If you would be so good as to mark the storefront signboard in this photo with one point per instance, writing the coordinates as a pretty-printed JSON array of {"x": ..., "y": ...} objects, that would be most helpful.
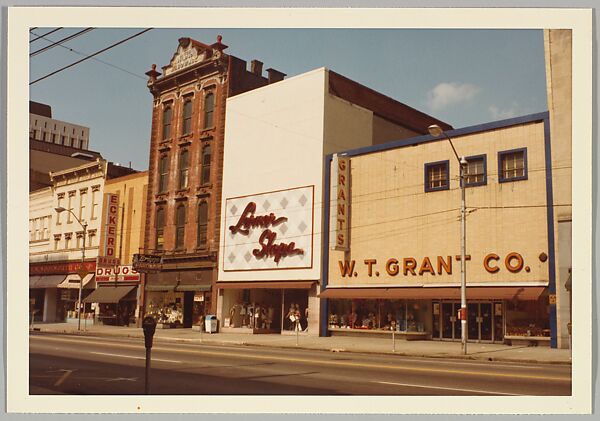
[
  {"x": 111, "y": 217},
  {"x": 117, "y": 274},
  {"x": 147, "y": 262},
  {"x": 492, "y": 263},
  {"x": 269, "y": 231},
  {"x": 340, "y": 190},
  {"x": 61, "y": 268}
]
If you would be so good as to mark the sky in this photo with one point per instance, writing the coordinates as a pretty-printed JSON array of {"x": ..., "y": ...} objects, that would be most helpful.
[{"x": 462, "y": 77}]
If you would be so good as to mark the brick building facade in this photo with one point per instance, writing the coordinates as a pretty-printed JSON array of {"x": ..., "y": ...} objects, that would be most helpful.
[{"x": 185, "y": 174}]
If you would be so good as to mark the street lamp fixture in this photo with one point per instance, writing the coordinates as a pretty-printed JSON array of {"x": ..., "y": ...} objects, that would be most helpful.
[
  {"x": 59, "y": 210},
  {"x": 436, "y": 131}
]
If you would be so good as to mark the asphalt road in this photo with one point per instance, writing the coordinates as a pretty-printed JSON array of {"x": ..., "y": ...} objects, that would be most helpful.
[{"x": 107, "y": 366}]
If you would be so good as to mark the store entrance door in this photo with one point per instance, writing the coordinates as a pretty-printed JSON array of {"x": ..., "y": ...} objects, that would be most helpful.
[
  {"x": 484, "y": 321},
  {"x": 188, "y": 308},
  {"x": 450, "y": 324}
]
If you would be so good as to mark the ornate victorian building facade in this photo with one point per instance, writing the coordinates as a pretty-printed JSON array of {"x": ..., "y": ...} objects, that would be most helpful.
[{"x": 185, "y": 174}]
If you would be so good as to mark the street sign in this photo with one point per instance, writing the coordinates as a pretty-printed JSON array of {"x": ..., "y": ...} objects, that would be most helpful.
[{"x": 82, "y": 273}]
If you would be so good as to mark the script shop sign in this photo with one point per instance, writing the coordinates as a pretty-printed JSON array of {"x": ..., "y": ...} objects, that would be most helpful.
[
  {"x": 147, "y": 262},
  {"x": 271, "y": 230}
]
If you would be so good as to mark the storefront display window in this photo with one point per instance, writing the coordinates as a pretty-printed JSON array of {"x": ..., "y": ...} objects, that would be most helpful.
[
  {"x": 399, "y": 315},
  {"x": 528, "y": 318},
  {"x": 165, "y": 307}
]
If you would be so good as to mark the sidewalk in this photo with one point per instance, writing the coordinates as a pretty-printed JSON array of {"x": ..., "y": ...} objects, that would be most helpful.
[{"x": 431, "y": 349}]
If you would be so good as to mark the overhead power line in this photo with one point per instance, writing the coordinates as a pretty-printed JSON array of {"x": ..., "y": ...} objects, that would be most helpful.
[
  {"x": 96, "y": 59},
  {"x": 42, "y": 36},
  {"x": 90, "y": 56},
  {"x": 65, "y": 39}
]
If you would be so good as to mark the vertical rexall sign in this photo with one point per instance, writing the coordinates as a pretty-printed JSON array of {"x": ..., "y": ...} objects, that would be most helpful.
[{"x": 111, "y": 218}]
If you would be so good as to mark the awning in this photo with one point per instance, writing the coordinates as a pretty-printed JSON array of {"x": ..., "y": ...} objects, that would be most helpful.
[
  {"x": 45, "y": 281},
  {"x": 198, "y": 280},
  {"x": 524, "y": 293},
  {"x": 108, "y": 294},
  {"x": 266, "y": 285},
  {"x": 72, "y": 281}
]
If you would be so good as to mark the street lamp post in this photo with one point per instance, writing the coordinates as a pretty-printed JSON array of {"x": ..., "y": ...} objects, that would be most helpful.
[
  {"x": 436, "y": 131},
  {"x": 84, "y": 226}
]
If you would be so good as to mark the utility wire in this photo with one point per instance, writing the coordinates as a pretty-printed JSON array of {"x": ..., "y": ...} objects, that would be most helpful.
[
  {"x": 42, "y": 36},
  {"x": 90, "y": 56},
  {"x": 65, "y": 39},
  {"x": 97, "y": 59}
]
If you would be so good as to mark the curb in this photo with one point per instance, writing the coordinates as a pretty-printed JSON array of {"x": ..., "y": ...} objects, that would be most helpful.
[{"x": 304, "y": 347}]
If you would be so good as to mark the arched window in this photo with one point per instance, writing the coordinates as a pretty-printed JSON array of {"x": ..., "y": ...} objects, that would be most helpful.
[
  {"x": 163, "y": 171},
  {"x": 167, "y": 113},
  {"x": 160, "y": 229},
  {"x": 202, "y": 224},
  {"x": 187, "y": 116},
  {"x": 209, "y": 109},
  {"x": 184, "y": 169},
  {"x": 180, "y": 227},
  {"x": 205, "y": 171}
]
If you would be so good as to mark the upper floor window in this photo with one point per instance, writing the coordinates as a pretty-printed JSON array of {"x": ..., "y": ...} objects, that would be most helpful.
[
  {"x": 160, "y": 229},
  {"x": 180, "y": 227},
  {"x": 61, "y": 201},
  {"x": 82, "y": 204},
  {"x": 205, "y": 169},
  {"x": 187, "y": 116},
  {"x": 163, "y": 171},
  {"x": 475, "y": 171},
  {"x": 209, "y": 109},
  {"x": 167, "y": 114},
  {"x": 184, "y": 169},
  {"x": 437, "y": 176},
  {"x": 202, "y": 224},
  {"x": 512, "y": 165}
]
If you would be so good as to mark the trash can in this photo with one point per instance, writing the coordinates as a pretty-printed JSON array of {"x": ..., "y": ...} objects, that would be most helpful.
[{"x": 210, "y": 323}]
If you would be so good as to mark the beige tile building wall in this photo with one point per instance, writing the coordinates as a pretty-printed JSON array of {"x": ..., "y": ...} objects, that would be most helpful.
[{"x": 393, "y": 217}]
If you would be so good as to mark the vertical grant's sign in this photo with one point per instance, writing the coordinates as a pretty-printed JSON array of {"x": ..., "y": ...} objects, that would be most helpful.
[
  {"x": 340, "y": 203},
  {"x": 110, "y": 225}
]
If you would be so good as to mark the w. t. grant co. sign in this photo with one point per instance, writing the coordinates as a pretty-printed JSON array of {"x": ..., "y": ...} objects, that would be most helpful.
[{"x": 269, "y": 230}]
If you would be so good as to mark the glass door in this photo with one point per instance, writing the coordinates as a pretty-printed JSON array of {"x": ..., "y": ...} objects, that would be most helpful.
[
  {"x": 485, "y": 317},
  {"x": 473, "y": 321},
  {"x": 448, "y": 319}
]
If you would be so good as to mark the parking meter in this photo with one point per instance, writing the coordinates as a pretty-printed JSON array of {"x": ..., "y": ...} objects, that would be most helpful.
[{"x": 149, "y": 326}]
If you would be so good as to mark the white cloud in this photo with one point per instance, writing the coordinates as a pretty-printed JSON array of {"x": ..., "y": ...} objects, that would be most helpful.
[
  {"x": 446, "y": 94},
  {"x": 500, "y": 114}
]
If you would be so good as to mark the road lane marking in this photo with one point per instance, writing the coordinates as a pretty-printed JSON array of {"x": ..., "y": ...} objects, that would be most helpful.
[
  {"x": 66, "y": 374},
  {"x": 295, "y": 359},
  {"x": 450, "y": 388},
  {"x": 133, "y": 357}
]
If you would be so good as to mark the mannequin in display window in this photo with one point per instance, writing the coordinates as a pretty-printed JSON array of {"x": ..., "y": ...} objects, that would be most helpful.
[
  {"x": 270, "y": 315},
  {"x": 243, "y": 312},
  {"x": 290, "y": 317}
]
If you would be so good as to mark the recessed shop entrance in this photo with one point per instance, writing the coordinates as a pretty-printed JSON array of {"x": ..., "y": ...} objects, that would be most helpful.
[{"x": 485, "y": 321}]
